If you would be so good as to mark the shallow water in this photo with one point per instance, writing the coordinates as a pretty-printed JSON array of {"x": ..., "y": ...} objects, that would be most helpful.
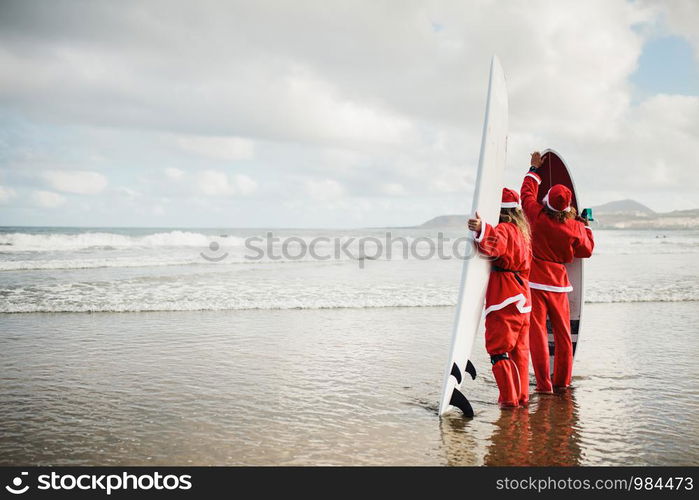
[
  {"x": 310, "y": 362},
  {"x": 334, "y": 386},
  {"x": 134, "y": 270}
]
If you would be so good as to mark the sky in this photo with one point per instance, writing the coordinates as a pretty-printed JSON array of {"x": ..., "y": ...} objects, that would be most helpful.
[{"x": 333, "y": 113}]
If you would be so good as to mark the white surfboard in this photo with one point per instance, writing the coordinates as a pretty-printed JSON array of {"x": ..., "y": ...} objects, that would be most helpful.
[{"x": 476, "y": 270}]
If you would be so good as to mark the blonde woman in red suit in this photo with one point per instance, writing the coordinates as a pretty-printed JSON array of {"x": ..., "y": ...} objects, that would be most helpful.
[{"x": 507, "y": 301}]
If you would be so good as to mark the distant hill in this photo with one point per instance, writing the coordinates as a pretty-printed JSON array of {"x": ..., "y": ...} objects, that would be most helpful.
[
  {"x": 630, "y": 214},
  {"x": 628, "y": 207},
  {"x": 446, "y": 221},
  {"x": 693, "y": 212},
  {"x": 621, "y": 214}
]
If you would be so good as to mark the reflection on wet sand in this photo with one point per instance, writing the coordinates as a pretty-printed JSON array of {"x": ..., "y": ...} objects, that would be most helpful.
[
  {"x": 310, "y": 387},
  {"x": 546, "y": 433},
  {"x": 458, "y": 440},
  {"x": 554, "y": 435}
]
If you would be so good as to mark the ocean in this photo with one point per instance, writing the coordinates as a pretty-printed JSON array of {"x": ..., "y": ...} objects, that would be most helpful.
[{"x": 126, "y": 346}]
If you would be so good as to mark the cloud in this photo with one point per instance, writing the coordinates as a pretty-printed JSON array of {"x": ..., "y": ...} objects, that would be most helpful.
[
  {"x": 75, "y": 181},
  {"x": 362, "y": 102},
  {"x": 244, "y": 184},
  {"x": 681, "y": 17},
  {"x": 393, "y": 189},
  {"x": 217, "y": 183},
  {"x": 48, "y": 199},
  {"x": 174, "y": 174},
  {"x": 324, "y": 189},
  {"x": 329, "y": 113},
  {"x": 126, "y": 193},
  {"x": 223, "y": 148},
  {"x": 7, "y": 195},
  {"x": 659, "y": 145}
]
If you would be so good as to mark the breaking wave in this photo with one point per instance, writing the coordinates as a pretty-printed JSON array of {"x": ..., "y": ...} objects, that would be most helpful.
[{"x": 27, "y": 242}]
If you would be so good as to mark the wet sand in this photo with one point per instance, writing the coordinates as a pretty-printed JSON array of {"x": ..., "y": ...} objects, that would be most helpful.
[{"x": 334, "y": 386}]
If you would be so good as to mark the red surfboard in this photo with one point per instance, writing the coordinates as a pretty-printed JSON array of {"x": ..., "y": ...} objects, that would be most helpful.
[{"x": 555, "y": 171}]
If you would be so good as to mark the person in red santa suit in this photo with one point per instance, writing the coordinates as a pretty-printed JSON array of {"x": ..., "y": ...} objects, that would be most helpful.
[
  {"x": 507, "y": 300},
  {"x": 558, "y": 236}
]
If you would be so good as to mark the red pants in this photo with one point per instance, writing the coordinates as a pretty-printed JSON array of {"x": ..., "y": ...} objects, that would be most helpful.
[
  {"x": 555, "y": 305},
  {"x": 507, "y": 332}
]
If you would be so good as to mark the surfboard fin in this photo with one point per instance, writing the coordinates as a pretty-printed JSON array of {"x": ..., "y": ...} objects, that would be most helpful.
[
  {"x": 460, "y": 401},
  {"x": 471, "y": 370},
  {"x": 456, "y": 373}
]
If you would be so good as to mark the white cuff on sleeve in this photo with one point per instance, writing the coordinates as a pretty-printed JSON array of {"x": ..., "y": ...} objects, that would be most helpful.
[
  {"x": 479, "y": 236},
  {"x": 533, "y": 176}
]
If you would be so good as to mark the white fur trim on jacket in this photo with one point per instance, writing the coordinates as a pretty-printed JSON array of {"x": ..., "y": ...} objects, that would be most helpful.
[
  {"x": 479, "y": 236},
  {"x": 533, "y": 176},
  {"x": 519, "y": 299},
  {"x": 550, "y": 288}
]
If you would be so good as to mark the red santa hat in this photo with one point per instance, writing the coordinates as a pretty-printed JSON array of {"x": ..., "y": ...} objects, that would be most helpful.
[
  {"x": 558, "y": 198},
  {"x": 510, "y": 199}
]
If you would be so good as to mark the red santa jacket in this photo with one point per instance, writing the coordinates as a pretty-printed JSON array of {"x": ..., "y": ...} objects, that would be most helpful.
[
  {"x": 512, "y": 252},
  {"x": 553, "y": 243}
]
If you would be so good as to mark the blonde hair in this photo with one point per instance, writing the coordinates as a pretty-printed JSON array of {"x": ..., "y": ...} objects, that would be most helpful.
[
  {"x": 517, "y": 217},
  {"x": 561, "y": 216}
]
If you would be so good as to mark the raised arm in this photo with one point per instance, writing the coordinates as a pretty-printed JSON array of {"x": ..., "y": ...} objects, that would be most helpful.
[{"x": 530, "y": 188}]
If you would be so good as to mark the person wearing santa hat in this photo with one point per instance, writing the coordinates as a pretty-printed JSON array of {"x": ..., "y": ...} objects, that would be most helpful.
[
  {"x": 507, "y": 300},
  {"x": 558, "y": 236}
]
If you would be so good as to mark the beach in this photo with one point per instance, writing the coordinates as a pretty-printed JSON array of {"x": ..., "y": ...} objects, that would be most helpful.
[{"x": 180, "y": 362}]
